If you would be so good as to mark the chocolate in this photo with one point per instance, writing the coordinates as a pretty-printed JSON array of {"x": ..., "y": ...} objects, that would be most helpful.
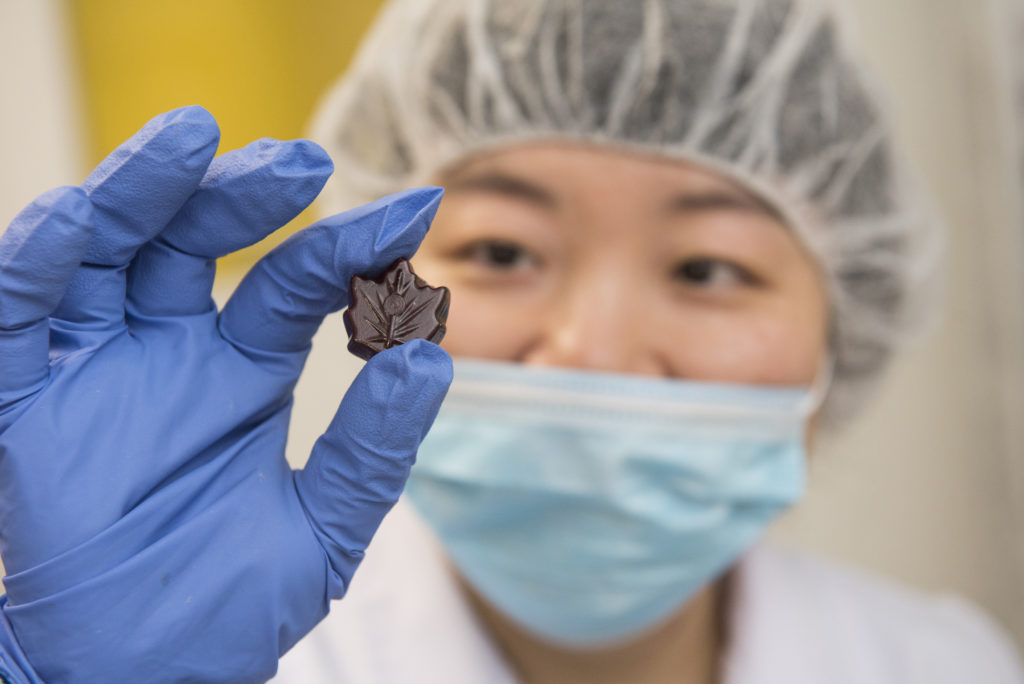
[{"x": 392, "y": 309}]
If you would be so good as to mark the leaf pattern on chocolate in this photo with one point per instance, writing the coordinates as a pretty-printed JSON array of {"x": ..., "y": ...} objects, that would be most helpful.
[{"x": 393, "y": 309}]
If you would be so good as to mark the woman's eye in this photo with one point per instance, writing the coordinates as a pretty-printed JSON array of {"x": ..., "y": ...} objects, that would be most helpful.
[
  {"x": 707, "y": 273},
  {"x": 499, "y": 254}
]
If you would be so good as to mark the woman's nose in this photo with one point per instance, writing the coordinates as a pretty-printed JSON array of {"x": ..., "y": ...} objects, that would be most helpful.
[{"x": 596, "y": 324}]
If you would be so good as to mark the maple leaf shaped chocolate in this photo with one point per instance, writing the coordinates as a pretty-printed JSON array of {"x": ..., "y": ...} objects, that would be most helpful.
[{"x": 392, "y": 309}]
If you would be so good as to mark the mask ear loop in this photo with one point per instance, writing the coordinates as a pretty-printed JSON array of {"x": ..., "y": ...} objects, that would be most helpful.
[{"x": 818, "y": 390}]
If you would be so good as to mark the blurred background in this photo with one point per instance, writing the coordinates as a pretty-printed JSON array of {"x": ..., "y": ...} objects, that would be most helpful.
[{"x": 926, "y": 487}]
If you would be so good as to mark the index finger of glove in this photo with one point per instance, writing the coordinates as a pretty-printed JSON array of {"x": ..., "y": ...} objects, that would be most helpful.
[
  {"x": 142, "y": 184},
  {"x": 246, "y": 195},
  {"x": 280, "y": 304},
  {"x": 135, "y": 192}
]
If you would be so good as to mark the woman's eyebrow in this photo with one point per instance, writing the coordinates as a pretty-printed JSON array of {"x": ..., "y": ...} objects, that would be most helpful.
[
  {"x": 496, "y": 182},
  {"x": 717, "y": 200}
]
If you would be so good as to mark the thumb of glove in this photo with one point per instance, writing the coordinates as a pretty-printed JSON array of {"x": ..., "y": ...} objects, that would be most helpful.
[{"x": 359, "y": 467}]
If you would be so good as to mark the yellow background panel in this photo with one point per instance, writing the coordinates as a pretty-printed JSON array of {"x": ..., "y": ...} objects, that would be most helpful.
[{"x": 259, "y": 66}]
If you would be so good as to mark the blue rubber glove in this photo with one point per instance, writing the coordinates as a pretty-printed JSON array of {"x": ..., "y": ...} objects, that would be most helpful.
[{"x": 151, "y": 527}]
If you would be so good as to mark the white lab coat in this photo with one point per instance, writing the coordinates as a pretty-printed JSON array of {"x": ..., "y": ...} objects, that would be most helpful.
[{"x": 793, "y": 620}]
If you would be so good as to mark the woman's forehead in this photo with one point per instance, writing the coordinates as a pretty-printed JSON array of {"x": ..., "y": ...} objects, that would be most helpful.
[
  {"x": 545, "y": 173},
  {"x": 592, "y": 192}
]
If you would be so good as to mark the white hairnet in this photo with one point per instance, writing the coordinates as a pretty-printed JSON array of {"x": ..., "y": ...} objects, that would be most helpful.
[{"x": 762, "y": 91}]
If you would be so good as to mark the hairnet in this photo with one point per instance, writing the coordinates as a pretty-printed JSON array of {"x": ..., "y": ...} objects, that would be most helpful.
[{"x": 762, "y": 91}]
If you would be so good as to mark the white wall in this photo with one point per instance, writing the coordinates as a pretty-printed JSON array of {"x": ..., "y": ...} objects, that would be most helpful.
[
  {"x": 39, "y": 116},
  {"x": 40, "y": 136},
  {"x": 927, "y": 487}
]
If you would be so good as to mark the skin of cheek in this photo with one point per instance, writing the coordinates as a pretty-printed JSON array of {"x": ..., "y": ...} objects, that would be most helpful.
[
  {"x": 753, "y": 346},
  {"x": 726, "y": 353},
  {"x": 485, "y": 326}
]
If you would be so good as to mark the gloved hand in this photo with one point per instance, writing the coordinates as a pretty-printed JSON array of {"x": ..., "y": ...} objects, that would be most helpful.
[{"x": 151, "y": 527}]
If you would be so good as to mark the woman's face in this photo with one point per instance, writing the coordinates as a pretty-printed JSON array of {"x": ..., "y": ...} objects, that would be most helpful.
[{"x": 568, "y": 255}]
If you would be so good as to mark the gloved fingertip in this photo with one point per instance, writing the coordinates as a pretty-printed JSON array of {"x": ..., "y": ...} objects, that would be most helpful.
[
  {"x": 424, "y": 358},
  {"x": 409, "y": 215},
  {"x": 359, "y": 466},
  {"x": 195, "y": 127},
  {"x": 269, "y": 158},
  {"x": 248, "y": 193},
  {"x": 64, "y": 215},
  {"x": 72, "y": 222},
  {"x": 413, "y": 379},
  {"x": 305, "y": 158},
  {"x": 187, "y": 136},
  {"x": 186, "y": 128},
  {"x": 182, "y": 142},
  {"x": 430, "y": 196},
  {"x": 39, "y": 254},
  {"x": 70, "y": 204},
  {"x": 195, "y": 118}
]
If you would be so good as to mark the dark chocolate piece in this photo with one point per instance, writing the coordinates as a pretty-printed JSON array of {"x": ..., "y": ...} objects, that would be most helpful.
[{"x": 392, "y": 309}]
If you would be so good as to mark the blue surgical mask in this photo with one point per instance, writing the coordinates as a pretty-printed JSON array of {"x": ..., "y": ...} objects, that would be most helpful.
[{"x": 589, "y": 507}]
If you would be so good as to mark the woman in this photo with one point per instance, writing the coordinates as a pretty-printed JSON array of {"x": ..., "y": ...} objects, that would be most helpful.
[
  {"x": 684, "y": 225},
  {"x": 700, "y": 191}
]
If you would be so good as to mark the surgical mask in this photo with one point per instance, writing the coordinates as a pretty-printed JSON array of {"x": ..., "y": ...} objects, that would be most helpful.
[{"x": 588, "y": 507}]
